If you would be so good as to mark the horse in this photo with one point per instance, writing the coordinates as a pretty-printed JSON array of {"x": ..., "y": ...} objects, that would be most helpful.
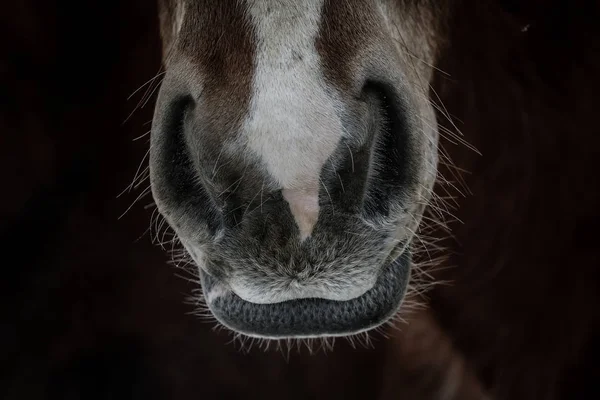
[
  {"x": 293, "y": 151},
  {"x": 309, "y": 158}
]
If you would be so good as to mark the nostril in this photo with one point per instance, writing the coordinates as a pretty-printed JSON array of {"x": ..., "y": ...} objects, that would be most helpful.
[
  {"x": 174, "y": 174},
  {"x": 169, "y": 155},
  {"x": 391, "y": 154},
  {"x": 372, "y": 170}
]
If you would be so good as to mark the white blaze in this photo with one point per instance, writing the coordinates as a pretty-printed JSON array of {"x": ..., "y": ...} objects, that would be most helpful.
[
  {"x": 292, "y": 124},
  {"x": 179, "y": 15},
  {"x": 305, "y": 208}
]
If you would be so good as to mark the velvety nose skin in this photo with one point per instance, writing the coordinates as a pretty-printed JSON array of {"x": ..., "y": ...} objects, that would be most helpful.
[
  {"x": 311, "y": 317},
  {"x": 288, "y": 262}
]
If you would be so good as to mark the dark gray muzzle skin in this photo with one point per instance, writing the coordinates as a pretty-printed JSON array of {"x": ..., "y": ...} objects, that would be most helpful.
[{"x": 312, "y": 317}]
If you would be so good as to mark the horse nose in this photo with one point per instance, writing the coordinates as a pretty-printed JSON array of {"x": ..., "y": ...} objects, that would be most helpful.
[{"x": 199, "y": 167}]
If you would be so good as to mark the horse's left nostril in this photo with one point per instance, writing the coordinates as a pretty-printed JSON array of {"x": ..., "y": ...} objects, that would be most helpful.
[{"x": 173, "y": 173}]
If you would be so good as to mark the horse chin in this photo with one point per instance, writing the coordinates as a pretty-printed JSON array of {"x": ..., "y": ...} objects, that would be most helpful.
[{"x": 311, "y": 317}]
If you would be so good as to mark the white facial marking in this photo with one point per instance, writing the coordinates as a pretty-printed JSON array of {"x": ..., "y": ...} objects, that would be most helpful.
[
  {"x": 179, "y": 14},
  {"x": 304, "y": 205},
  {"x": 292, "y": 124}
]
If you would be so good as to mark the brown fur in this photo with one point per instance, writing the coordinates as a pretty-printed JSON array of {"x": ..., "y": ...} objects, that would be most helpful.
[
  {"x": 343, "y": 32},
  {"x": 221, "y": 50}
]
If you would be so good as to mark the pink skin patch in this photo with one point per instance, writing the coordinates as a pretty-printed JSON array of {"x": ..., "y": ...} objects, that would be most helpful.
[{"x": 304, "y": 204}]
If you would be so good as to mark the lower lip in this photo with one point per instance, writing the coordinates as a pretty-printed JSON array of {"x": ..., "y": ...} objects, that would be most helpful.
[{"x": 311, "y": 317}]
